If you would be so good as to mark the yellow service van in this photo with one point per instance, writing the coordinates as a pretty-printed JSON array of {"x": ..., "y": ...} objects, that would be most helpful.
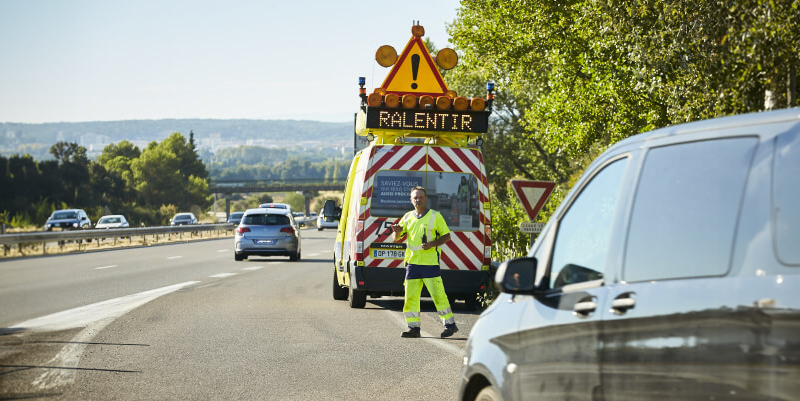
[{"x": 414, "y": 131}]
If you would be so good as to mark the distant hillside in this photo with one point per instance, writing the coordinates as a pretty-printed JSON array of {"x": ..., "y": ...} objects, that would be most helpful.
[{"x": 210, "y": 135}]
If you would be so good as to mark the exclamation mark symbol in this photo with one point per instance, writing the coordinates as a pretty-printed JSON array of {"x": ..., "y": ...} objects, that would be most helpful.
[{"x": 414, "y": 69}]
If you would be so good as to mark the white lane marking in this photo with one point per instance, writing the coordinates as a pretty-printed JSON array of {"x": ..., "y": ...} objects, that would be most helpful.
[
  {"x": 222, "y": 250},
  {"x": 223, "y": 275},
  {"x": 253, "y": 268},
  {"x": 313, "y": 254},
  {"x": 93, "y": 318},
  {"x": 174, "y": 257},
  {"x": 105, "y": 267}
]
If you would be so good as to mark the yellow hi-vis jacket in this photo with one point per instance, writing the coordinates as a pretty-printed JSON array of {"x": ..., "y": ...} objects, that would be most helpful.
[{"x": 420, "y": 230}]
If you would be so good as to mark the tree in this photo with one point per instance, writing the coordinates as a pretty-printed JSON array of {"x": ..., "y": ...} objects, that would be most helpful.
[
  {"x": 576, "y": 76},
  {"x": 66, "y": 152},
  {"x": 170, "y": 173}
]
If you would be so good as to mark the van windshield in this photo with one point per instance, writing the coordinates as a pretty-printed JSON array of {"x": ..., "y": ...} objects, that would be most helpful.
[{"x": 454, "y": 195}]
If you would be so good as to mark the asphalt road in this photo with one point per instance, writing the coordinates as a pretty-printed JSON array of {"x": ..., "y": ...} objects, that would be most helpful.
[{"x": 186, "y": 322}]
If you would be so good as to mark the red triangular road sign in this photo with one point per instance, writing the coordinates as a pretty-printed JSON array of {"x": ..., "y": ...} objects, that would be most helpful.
[
  {"x": 532, "y": 195},
  {"x": 415, "y": 72}
]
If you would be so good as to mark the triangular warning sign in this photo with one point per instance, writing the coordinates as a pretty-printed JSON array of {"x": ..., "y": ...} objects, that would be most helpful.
[
  {"x": 532, "y": 195},
  {"x": 415, "y": 72}
]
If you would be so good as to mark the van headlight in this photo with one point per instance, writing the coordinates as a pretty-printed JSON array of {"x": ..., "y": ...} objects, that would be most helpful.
[{"x": 75, "y": 225}]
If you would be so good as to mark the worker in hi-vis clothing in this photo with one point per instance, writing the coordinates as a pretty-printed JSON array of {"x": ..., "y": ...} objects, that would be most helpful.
[{"x": 425, "y": 231}]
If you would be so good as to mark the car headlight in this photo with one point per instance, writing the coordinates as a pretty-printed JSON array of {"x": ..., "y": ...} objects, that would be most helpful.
[{"x": 75, "y": 225}]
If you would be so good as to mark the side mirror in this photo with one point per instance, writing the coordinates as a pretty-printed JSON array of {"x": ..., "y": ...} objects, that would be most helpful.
[
  {"x": 517, "y": 276},
  {"x": 329, "y": 210}
]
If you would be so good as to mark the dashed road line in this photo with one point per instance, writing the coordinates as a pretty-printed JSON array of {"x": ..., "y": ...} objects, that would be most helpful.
[
  {"x": 174, "y": 257},
  {"x": 253, "y": 268},
  {"x": 223, "y": 275},
  {"x": 105, "y": 267}
]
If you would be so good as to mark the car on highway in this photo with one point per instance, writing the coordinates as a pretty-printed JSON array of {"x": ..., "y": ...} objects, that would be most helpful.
[
  {"x": 182, "y": 219},
  {"x": 326, "y": 222},
  {"x": 235, "y": 217},
  {"x": 669, "y": 271},
  {"x": 267, "y": 232},
  {"x": 68, "y": 219},
  {"x": 112, "y": 221},
  {"x": 300, "y": 218}
]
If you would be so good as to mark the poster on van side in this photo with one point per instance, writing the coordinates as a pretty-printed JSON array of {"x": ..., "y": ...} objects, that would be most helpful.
[{"x": 393, "y": 191}]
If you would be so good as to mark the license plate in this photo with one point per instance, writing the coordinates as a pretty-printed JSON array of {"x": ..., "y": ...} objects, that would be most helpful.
[
  {"x": 388, "y": 254},
  {"x": 265, "y": 242}
]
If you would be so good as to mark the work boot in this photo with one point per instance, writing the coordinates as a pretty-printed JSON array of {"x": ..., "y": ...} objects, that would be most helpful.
[
  {"x": 413, "y": 332},
  {"x": 449, "y": 330}
]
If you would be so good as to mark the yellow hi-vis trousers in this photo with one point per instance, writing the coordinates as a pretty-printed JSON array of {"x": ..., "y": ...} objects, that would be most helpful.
[{"x": 436, "y": 289}]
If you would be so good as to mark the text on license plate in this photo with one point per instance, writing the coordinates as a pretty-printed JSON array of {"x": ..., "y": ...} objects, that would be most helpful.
[
  {"x": 265, "y": 241},
  {"x": 388, "y": 254}
]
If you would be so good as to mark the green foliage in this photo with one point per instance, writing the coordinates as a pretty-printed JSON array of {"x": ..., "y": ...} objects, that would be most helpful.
[
  {"x": 124, "y": 180},
  {"x": 507, "y": 240},
  {"x": 296, "y": 201},
  {"x": 575, "y": 77}
]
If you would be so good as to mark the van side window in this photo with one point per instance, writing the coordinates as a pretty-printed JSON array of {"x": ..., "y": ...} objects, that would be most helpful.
[
  {"x": 583, "y": 238},
  {"x": 685, "y": 210},
  {"x": 786, "y": 197}
]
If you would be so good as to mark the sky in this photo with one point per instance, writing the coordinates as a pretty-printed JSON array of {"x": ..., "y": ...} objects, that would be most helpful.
[{"x": 93, "y": 60}]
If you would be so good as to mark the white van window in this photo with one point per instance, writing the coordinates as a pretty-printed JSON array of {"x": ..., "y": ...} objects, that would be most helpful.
[
  {"x": 786, "y": 192},
  {"x": 584, "y": 233},
  {"x": 454, "y": 195},
  {"x": 686, "y": 208}
]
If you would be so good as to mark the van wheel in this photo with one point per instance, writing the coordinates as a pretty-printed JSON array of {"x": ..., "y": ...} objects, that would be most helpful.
[
  {"x": 238, "y": 257},
  {"x": 489, "y": 393},
  {"x": 339, "y": 292},
  {"x": 358, "y": 298}
]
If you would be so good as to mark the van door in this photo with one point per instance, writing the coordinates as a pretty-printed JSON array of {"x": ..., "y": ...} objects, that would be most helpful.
[
  {"x": 557, "y": 356},
  {"x": 676, "y": 326}
]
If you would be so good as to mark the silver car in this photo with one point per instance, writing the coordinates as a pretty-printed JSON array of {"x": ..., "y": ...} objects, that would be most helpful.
[{"x": 267, "y": 232}]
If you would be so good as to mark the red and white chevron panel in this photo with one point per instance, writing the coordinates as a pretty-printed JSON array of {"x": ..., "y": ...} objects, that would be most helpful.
[{"x": 465, "y": 251}]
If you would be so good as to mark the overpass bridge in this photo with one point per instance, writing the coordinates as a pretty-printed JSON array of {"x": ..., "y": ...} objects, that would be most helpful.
[
  {"x": 304, "y": 185},
  {"x": 289, "y": 185}
]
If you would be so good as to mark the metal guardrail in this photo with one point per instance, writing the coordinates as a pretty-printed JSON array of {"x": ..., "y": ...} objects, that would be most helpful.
[{"x": 44, "y": 237}]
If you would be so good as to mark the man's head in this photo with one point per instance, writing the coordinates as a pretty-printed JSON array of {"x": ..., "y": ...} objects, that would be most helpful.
[{"x": 419, "y": 197}]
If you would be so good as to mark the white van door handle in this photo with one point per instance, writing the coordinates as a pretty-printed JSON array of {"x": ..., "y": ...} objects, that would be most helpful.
[
  {"x": 585, "y": 306},
  {"x": 623, "y": 303}
]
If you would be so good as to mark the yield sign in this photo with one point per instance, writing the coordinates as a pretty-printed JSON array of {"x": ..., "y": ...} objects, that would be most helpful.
[
  {"x": 532, "y": 195},
  {"x": 415, "y": 72}
]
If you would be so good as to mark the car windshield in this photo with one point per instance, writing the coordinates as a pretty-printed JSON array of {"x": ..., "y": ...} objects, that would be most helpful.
[
  {"x": 183, "y": 217},
  {"x": 109, "y": 220},
  {"x": 265, "y": 220},
  {"x": 236, "y": 215},
  {"x": 65, "y": 215}
]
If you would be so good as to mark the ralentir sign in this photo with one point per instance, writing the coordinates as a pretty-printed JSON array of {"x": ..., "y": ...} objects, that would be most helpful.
[{"x": 427, "y": 120}]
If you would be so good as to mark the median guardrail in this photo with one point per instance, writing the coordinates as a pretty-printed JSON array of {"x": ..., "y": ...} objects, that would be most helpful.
[{"x": 61, "y": 237}]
